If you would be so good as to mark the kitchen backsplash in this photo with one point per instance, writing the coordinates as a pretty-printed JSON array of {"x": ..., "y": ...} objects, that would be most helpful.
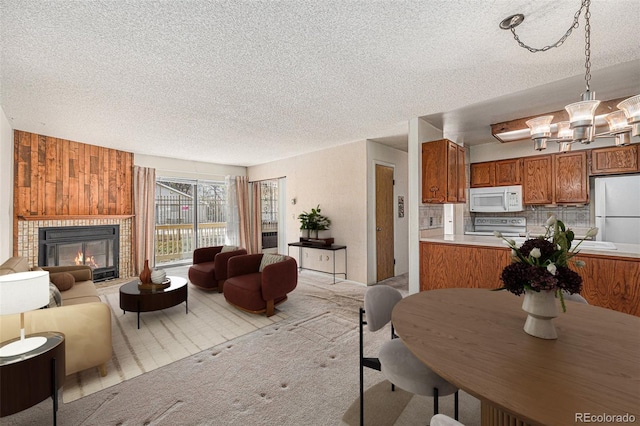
[
  {"x": 573, "y": 217},
  {"x": 431, "y": 217}
]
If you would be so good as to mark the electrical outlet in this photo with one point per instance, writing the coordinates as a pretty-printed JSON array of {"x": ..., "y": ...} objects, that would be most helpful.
[{"x": 431, "y": 221}]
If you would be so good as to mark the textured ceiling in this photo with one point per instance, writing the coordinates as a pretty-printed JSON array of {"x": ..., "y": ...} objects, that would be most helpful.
[{"x": 247, "y": 82}]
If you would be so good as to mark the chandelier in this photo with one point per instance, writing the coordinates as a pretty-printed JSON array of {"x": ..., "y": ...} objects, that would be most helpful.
[{"x": 581, "y": 127}]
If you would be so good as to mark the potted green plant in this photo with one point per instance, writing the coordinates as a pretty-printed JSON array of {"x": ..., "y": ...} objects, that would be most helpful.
[{"x": 313, "y": 221}]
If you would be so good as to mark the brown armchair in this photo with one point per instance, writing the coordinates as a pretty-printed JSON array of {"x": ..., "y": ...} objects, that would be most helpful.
[
  {"x": 256, "y": 291},
  {"x": 209, "y": 269}
]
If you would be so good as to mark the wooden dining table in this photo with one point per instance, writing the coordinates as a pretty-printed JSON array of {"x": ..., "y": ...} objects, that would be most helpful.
[{"x": 474, "y": 339}]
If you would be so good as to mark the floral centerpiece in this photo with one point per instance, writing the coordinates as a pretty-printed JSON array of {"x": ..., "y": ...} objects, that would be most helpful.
[{"x": 542, "y": 263}]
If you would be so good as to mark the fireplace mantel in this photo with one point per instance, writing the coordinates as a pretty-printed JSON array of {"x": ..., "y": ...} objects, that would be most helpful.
[{"x": 77, "y": 217}]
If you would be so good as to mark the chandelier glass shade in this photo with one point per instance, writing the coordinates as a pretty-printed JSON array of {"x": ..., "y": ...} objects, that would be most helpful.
[
  {"x": 581, "y": 127},
  {"x": 631, "y": 108}
]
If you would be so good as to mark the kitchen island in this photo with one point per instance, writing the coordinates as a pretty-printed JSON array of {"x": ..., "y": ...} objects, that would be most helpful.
[{"x": 611, "y": 278}]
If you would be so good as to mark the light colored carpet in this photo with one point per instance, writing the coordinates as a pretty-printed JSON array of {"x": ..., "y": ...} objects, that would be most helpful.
[
  {"x": 164, "y": 337},
  {"x": 302, "y": 370}
]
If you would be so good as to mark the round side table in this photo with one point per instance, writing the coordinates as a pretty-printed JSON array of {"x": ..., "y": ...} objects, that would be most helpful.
[{"x": 29, "y": 378}]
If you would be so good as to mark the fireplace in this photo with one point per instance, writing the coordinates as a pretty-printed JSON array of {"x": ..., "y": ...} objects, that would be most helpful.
[{"x": 95, "y": 246}]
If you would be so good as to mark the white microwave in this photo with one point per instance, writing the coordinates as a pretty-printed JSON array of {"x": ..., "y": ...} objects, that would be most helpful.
[{"x": 496, "y": 199}]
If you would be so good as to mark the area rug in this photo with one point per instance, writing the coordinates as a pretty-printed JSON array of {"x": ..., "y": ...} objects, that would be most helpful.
[
  {"x": 302, "y": 370},
  {"x": 164, "y": 337}
]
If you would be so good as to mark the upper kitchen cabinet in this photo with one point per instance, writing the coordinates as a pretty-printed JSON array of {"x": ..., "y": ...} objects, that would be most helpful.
[
  {"x": 614, "y": 160},
  {"x": 537, "y": 180},
  {"x": 508, "y": 172},
  {"x": 496, "y": 173},
  {"x": 483, "y": 174},
  {"x": 462, "y": 176},
  {"x": 571, "y": 182},
  {"x": 443, "y": 172},
  {"x": 556, "y": 179}
]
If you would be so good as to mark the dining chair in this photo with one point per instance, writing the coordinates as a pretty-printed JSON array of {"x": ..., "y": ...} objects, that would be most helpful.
[
  {"x": 395, "y": 360},
  {"x": 443, "y": 420}
]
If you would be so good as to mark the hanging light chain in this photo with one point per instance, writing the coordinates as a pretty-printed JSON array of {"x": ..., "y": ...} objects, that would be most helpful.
[
  {"x": 575, "y": 24},
  {"x": 587, "y": 43}
]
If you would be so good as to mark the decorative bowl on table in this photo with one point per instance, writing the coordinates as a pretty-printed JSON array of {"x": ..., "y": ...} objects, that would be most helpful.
[{"x": 154, "y": 287}]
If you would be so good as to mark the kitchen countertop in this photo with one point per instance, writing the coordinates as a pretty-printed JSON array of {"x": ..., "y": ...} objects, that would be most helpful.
[{"x": 623, "y": 250}]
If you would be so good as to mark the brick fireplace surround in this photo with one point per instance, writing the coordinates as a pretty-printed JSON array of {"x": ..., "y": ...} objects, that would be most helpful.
[{"x": 27, "y": 236}]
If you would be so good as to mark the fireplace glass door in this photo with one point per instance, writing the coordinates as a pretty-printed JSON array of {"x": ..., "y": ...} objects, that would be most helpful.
[
  {"x": 96, "y": 254},
  {"x": 93, "y": 246}
]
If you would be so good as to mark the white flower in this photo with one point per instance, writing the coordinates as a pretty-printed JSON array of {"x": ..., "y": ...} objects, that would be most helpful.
[
  {"x": 510, "y": 242},
  {"x": 592, "y": 233},
  {"x": 497, "y": 234},
  {"x": 552, "y": 220},
  {"x": 551, "y": 268},
  {"x": 580, "y": 263},
  {"x": 535, "y": 253}
]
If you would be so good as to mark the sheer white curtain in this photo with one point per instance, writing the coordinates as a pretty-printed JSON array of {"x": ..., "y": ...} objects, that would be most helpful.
[
  {"x": 144, "y": 193},
  {"x": 233, "y": 213},
  {"x": 256, "y": 218},
  {"x": 248, "y": 208},
  {"x": 244, "y": 212}
]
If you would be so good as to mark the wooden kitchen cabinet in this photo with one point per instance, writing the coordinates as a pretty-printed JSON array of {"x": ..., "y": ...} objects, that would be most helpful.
[
  {"x": 443, "y": 172},
  {"x": 615, "y": 160},
  {"x": 571, "y": 180},
  {"x": 537, "y": 180},
  {"x": 555, "y": 179},
  {"x": 461, "y": 266},
  {"x": 483, "y": 174},
  {"x": 462, "y": 175},
  {"x": 496, "y": 173},
  {"x": 608, "y": 281},
  {"x": 508, "y": 172}
]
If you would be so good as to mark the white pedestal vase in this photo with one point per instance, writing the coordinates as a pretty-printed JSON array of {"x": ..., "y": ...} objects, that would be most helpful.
[{"x": 542, "y": 309}]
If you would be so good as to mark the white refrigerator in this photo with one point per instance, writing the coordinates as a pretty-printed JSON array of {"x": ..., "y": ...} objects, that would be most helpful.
[{"x": 617, "y": 208}]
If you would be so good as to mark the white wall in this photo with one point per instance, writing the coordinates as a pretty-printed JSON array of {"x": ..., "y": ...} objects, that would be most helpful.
[
  {"x": 171, "y": 167},
  {"x": 6, "y": 187},
  {"x": 419, "y": 131},
  {"x": 387, "y": 156},
  {"x": 336, "y": 179}
]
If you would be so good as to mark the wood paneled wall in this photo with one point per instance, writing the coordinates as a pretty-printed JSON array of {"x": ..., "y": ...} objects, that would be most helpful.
[{"x": 57, "y": 177}]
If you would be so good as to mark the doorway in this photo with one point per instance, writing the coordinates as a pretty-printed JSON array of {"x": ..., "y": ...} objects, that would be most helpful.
[{"x": 384, "y": 223}]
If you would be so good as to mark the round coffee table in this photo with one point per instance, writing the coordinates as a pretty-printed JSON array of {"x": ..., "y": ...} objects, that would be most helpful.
[{"x": 133, "y": 299}]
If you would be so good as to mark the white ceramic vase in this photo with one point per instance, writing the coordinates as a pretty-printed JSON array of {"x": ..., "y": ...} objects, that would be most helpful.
[
  {"x": 541, "y": 308},
  {"x": 158, "y": 276}
]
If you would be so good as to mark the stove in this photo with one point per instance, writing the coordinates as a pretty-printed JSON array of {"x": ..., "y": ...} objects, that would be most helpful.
[{"x": 508, "y": 226}]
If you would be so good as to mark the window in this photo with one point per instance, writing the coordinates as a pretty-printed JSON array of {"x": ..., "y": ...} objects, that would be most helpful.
[
  {"x": 189, "y": 214},
  {"x": 269, "y": 210}
]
